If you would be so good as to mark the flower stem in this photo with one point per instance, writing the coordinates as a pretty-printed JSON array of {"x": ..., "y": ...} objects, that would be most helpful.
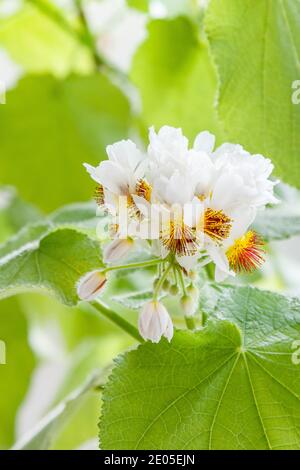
[
  {"x": 161, "y": 281},
  {"x": 181, "y": 280},
  {"x": 189, "y": 321},
  {"x": 117, "y": 319},
  {"x": 141, "y": 264},
  {"x": 84, "y": 36}
]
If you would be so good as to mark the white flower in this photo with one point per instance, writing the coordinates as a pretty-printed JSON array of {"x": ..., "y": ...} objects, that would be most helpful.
[
  {"x": 243, "y": 178},
  {"x": 188, "y": 305},
  {"x": 219, "y": 252},
  {"x": 174, "y": 171},
  {"x": 91, "y": 285},
  {"x": 122, "y": 171},
  {"x": 155, "y": 322}
]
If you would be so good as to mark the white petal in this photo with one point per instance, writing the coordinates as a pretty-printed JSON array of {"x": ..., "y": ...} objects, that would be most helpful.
[
  {"x": 205, "y": 141},
  {"x": 169, "y": 331},
  {"x": 92, "y": 170},
  {"x": 188, "y": 262},
  {"x": 218, "y": 257},
  {"x": 112, "y": 177},
  {"x": 125, "y": 153}
]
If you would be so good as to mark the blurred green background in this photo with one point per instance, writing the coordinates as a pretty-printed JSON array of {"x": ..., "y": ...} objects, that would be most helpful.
[{"x": 80, "y": 75}]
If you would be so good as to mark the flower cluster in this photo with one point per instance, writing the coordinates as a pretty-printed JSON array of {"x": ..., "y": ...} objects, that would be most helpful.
[{"x": 194, "y": 206}]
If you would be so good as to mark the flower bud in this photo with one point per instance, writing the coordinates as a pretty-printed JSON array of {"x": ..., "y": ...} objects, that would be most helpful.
[
  {"x": 173, "y": 289},
  {"x": 117, "y": 249},
  {"x": 193, "y": 292},
  {"x": 188, "y": 305},
  {"x": 193, "y": 275},
  {"x": 155, "y": 322},
  {"x": 90, "y": 285},
  {"x": 166, "y": 285}
]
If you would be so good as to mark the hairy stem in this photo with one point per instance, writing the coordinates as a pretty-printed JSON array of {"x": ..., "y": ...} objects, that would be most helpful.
[
  {"x": 161, "y": 281},
  {"x": 141, "y": 264},
  {"x": 102, "y": 308}
]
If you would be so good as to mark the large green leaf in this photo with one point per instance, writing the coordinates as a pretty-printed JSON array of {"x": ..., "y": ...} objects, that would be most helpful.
[
  {"x": 231, "y": 385},
  {"x": 175, "y": 78},
  {"x": 15, "y": 375},
  {"x": 47, "y": 259},
  {"x": 256, "y": 47},
  {"x": 60, "y": 124}
]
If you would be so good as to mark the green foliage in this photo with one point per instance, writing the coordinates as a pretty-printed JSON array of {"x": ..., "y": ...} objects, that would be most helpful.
[
  {"x": 45, "y": 46},
  {"x": 15, "y": 375},
  {"x": 278, "y": 224},
  {"x": 256, "y": 48},
  {"x": 60, "y": 125},
  {"x": 14, "y": 213},
  {"x": 141, "y": 5},
  {"x": 236, "y": 374},
  {"x": 175, "y": 78},
  {"x": 50, "y": 261}
]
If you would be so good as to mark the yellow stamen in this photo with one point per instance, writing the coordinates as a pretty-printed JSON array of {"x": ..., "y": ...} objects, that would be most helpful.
[
  {"x": 217, "y": 224},
  {"x": 132, "y": 208},
  {"x": 143, "y": 189},
  {"x": 99, "y": 195},
  {"x": 246, "y": 254},
  {"x": 178, "y": 238}
]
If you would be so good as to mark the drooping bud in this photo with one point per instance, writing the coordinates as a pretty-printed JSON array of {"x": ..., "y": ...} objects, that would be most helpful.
[
  {"x": 193, "y": 292},
  {"x": 188, "y": 305},
  {"x": 117, "y": 249},
  {"x": 155, "y": 322},
  {"x": 91, "y": 285},
  {"x": 173, "y": 289}
]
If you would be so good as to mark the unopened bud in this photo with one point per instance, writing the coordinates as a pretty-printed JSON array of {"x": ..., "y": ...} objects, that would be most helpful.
[
  {"x": 193, "y": 292},
  {"x": 173, "y": 289},
  {"x": 117, "y": 249},
  {"x": 91, "y": 285},
  {"x": 166, "y": 284},
  {"x": 188, "y": 305}
]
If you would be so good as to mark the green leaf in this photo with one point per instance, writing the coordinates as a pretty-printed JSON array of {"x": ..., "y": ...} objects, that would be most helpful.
[
  {"x": 46, "y": 47},
  {"x": 48, "y": 260},
  {"x": 15, "y": 375},
  {"x": 70, "y": 122},
  {"x": 14, "y": 213},
  {"x": 45, "y": 433},
  {"x": 170, "y": 8},
  {"x": 141, "y": 5},
  {"x": 256, "y": 47},
  {"x": 278, "y": 224},
  {"x": 175, "y": 78},
  {"x": 231, "y": 385}
]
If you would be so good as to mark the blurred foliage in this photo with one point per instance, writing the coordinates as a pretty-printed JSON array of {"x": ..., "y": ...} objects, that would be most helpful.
[
  {"x": 175, "y": 78},
  {"x": 45, "y": 46},
  {"x": 60, "y": 125},
  {"x": 15, "y": 375}
]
